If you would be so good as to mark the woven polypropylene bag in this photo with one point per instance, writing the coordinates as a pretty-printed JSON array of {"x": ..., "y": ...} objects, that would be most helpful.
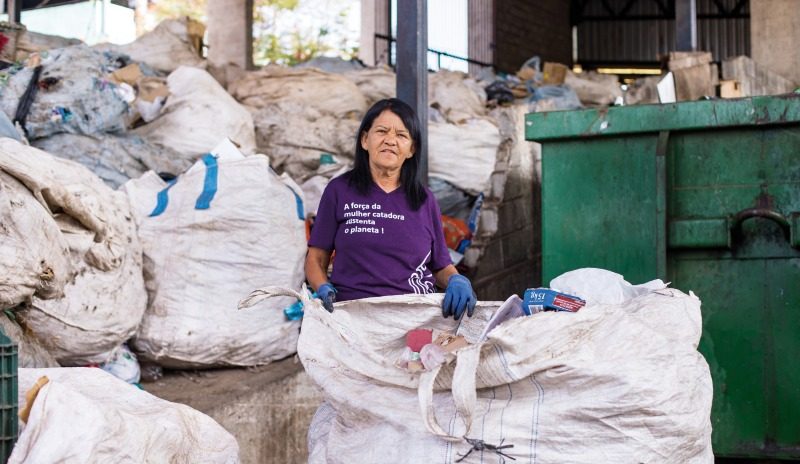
[
  {"x": 226, "y": 226},
  {"x": 613, "y": 383}
]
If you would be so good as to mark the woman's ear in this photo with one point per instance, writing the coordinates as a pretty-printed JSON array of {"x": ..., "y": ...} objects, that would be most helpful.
[{"x": 364, "y": 141}]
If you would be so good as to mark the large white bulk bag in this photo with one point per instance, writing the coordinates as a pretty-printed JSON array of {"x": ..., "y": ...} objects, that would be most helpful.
[
  {"x": 457, "y": 96},
  {"x": 197, "y": 115},
  {"x": 115, "y": 158},
  {"x": 102, "y": 306},
  {"x": 464, "y": 154},
  {"x": 30, "y": 351},
  {"x": 34, "y": 256},
  {"x": 295, "y": 136},
  {"x": 610, "y": 383},
  {"x": 86, "y": 415},
  {"x": 73, "y": 94},
  {"x": 328, "y": 93},
  {"x": 375, "y": 83},
  {"x": 227, "y": 225}
]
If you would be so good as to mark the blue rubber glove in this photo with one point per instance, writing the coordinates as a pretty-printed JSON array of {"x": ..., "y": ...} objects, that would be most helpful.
[
  {"x": 327, "y": 293},
  {"x": 458, "y": 297}
]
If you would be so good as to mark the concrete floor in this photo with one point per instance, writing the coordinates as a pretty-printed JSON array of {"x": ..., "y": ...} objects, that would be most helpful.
[{"x": 268, "y": 409}]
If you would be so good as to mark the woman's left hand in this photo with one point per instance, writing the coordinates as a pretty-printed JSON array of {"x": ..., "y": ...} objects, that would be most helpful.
[{"x": 458, "y": 297}]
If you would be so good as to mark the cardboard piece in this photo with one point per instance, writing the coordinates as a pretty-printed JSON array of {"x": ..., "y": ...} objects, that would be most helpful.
[
  {"x": 151, "y": 88},
  {"x": 730, "y": 89},
  {"x": 554, "y": 73},
  {"x": 148, "y": 88},
  {"x": 415, "y": 366},
  {"x": 683, "y": 60},
  {"x": 449, "y": 342},
  {"x": 693, "y": 83},
  {"x": 754, "y": 79},
  {"x": 695, "y": 76},
  {"x": 127, "y": 75}
]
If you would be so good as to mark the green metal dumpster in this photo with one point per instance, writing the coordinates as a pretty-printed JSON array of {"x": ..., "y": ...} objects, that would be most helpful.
[{"x": 705, "y": 195}]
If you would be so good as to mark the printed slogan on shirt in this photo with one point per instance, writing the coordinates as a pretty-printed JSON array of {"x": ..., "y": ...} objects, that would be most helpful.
[{"x": 360, "y": 218}]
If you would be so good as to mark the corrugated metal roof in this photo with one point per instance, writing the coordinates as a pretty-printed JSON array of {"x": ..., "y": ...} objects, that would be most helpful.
[{"x": 605, "y": 36}]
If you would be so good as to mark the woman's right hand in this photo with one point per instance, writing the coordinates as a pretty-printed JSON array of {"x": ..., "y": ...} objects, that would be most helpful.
[
  {"x": 458, "y": 297},
  {"x": 317, "y": 261},
  {"x": 327, "y": 293}
]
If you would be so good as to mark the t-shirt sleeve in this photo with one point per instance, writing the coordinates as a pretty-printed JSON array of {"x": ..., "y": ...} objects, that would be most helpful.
[
  {"x": 325, "y": 225},
  {"x": 440, "y": 256}
]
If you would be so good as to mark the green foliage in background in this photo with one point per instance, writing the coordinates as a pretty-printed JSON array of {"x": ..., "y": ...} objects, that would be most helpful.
[
  {"x": 285, "y": 32},
  {"x": 292, "y": 31}
]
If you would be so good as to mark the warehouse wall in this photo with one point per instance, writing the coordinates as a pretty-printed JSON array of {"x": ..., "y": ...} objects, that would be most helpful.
[
  {"x": 775, "y": 34},
  {"x": 525, "y": 28},
  {"x": 510, "y": 224}
]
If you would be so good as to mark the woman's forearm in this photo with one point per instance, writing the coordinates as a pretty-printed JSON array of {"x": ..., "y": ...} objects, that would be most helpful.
[
  {"x": 443, "y": 274},
  {"x": 316, "y": 266}
]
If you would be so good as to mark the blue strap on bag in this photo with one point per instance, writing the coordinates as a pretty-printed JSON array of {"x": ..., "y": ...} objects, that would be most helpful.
[
  {"x": 301, "y": 211},
  {"x": 210, "y": 190},
  {"x": 206, "y": 196},
  {"x": 209, "y": 184},
  {"x": 299, "y": 204},
  {"x": 162, "y": 199}
]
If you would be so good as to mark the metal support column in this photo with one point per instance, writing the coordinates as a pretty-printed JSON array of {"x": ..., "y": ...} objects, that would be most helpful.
[
  {"x": 14, "y": 11},
  {"x": 412, "y": 67},
  {"x": 685, "y": 25}
]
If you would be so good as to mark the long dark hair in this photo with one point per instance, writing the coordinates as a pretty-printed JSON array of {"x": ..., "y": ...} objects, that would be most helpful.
[{"x": 360, "y": 176}]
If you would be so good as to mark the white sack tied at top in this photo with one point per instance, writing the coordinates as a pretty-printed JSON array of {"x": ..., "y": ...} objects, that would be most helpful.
[
  {"x": 610, "y": 383},
  {"x": 329, "y": 93},
  {"x": 102, "y": 305},
  {"x": 165, "y": 48},
  {"x": 464, "y": 154},
  {"x": 87, "y": 415},
  {"x": 198, "y": 114},
  {"x": 222, "y": 228}
]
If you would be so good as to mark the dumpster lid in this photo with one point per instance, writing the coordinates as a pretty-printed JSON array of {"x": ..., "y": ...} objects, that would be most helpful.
[{"x": 620, "y": 120}]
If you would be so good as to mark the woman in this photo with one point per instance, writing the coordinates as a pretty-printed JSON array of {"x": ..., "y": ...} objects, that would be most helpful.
[{"x": 383, "y": 223}]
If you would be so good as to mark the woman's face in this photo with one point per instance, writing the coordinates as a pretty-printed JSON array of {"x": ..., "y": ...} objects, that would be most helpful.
[{"x": 388, "y": 142}]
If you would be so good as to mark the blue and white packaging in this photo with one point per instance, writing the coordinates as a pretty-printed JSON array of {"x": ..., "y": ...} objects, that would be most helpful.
[{"x": 545, "y": 299}]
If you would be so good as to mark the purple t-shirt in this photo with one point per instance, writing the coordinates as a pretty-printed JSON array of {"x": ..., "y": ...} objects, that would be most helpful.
[{"x": 383, "y": 247}]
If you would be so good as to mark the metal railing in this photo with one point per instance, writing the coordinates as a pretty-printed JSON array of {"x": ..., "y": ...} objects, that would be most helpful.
[{"x": 439, "y": 54}]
